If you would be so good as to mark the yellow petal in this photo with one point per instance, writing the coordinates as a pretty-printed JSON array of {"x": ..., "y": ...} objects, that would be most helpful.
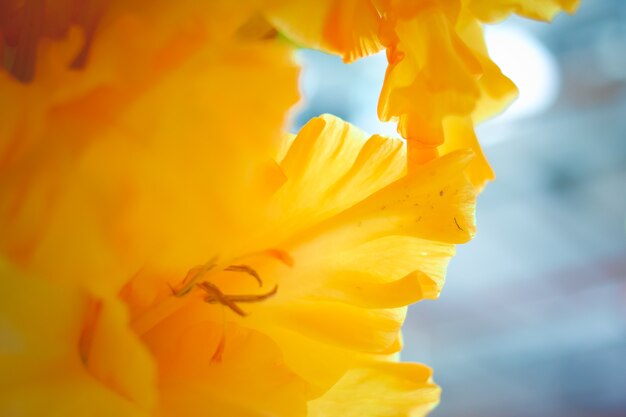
[
  {"x": 460, "y": 134},
  {"x": 494, "y": 10},
  {"x": 382, "y": 390},
  {"x": 399, "y": 236},
  {"x": 45, "y": 356},
  {"x": 319, "y": 363},
  {"x": 245, "y": 378},
  {"x": 388, "y": 272},
  {"x": 216, "y": 173},
  {"x": 393, "y": 257},
  {"x": 330, "y": 166},
  {"x": 434, "y": 202},
  {"x": 340, "y": 324},
  {"x": 362, "y": 290},
  {"x": 431, "y": 74},
  {"x": 117, "y": 359},
  {"x": 69, "y": 215},
  {"x": 347, "y": 28},
  {"x": 496, "y": 90}
]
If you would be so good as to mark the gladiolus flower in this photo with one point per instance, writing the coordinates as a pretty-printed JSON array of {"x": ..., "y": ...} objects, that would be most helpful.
[
  {"x": 168, "y": 250},
  {"x": 193, "y": 264},
  {"x": 289, "y": 316}
]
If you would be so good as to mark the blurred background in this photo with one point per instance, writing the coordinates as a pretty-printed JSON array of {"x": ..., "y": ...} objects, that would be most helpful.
[{"x": 532, "y": 320}]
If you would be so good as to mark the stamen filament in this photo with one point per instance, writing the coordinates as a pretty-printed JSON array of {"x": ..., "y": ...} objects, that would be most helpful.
[
  {"x": 210, "y": 292},
  {"x": 247, "y": 270},
  {"x": 215, "y": 295},
  {"x": 193, "y": 276}
]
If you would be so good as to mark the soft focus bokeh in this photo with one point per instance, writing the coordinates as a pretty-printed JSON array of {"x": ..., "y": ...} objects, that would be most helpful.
[{"x": 532, "y": 320}]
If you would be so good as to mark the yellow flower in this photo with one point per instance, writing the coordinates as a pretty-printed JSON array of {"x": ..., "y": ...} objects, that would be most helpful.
[
  {"x": 168, "y": 251},
  {"x": 185, "y": 258},
  {"x": 343, "y": 246},
  {"x": 295, "y": 314}
]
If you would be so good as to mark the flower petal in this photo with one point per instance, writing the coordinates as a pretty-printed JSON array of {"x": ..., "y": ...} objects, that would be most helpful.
[
  {"x": 348, "y": 28},
  {"x": 68, "y": 214},
  {"x": 392, "y": 257},
  {"x": 385, "y": 389},
  {"x": 363, "y": 290},
  {"x": 49, "y": 364},
  {"x": 431, "y": 74},
  {"x": 330, "y": 166},
  {"x": 341, "y": 324},
  {"x": 400, "y": 236},
  {"x": 494, "y": 10},
  {"x": 496, "y": 90},
  {"x": 245, "y": 376},
  {"x": 434, "y": 202},
  {"x": 460, "y": 134}
]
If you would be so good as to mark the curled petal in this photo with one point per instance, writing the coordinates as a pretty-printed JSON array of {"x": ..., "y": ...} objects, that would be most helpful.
[
  {"x": 431, "y": 75},
  {"x": 496, "y": 90},
  {"x": 460, "y": 135}
]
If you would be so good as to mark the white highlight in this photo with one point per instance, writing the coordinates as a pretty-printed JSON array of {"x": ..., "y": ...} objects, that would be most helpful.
[{"x": 531, "y": 66}]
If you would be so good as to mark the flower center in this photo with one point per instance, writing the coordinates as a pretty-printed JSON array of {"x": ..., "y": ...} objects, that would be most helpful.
[
  {"x": 214, "y": 294},
  {"x": 197, "y": 285}
]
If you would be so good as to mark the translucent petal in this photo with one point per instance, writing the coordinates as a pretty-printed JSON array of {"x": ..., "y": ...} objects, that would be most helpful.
[
  {"x": 494, "y": 10},
  {"x": 350, "y": 261},
  {"x": 383, "y": 389},
  {"x": 331, "y": 165},
  {"x": 341, "y": 324},
  {"x": 460, "y": 134},
  {"x": 348, "y": 28},
  {"x": 431, "y": 74},
  {"x": 496, "y": 90}
]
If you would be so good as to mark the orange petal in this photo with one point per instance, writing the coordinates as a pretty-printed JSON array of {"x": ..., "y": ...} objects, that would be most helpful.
[
  {"x": 347, "y": 28},
  {"x": 434, "y": 75},
  {"x": 247, "y": 378}
]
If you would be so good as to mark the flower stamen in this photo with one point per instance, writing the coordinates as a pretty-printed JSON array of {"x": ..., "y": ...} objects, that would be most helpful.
[
  {"x": 215, "y": 295},
  {"x": 246, "y": 270},
  {"x": 192, "y": 277}
]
